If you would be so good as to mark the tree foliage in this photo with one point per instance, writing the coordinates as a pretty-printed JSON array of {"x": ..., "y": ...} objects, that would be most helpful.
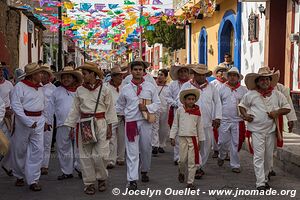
[{"x": 168, "y": 35}]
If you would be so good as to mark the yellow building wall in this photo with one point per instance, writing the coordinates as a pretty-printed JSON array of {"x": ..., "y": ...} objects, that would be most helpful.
[{"x": 212, "y": 27}]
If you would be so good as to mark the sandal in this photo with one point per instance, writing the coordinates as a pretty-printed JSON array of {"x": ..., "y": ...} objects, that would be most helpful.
[
  {"x": 90, "y": 189},
  {"x": 101, "y": 185}
]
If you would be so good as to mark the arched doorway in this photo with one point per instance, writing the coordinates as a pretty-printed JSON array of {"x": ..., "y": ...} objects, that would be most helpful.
[
  {"x": 203, "y": 47},
  {"x": 227, "y": 40}
]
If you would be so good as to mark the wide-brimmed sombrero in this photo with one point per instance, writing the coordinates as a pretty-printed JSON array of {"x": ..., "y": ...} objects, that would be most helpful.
[
  {"x": 174, "y": 70},
  {"x": 46, "y": 68},
  {"x": 70, "y": 70},
  {"x": 31, "y": 69},
  {"x": 92, "y": 67},
  {"x": 139, "y": 61},
  {"x": 200, "y": 69},
  {"x": 233, "y": 70},
  {"x": 117, "y": 70},
  {"x": 263, "y": 71},
  {"x": 185, "y": 92},
  {"x": 218, "y": 68}
]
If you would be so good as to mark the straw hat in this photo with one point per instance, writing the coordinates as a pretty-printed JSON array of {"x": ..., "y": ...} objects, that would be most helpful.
[
  {"x": 218, "y": 68},
  {"x": 263, "y": 71},
  {"x": 70, "y": 70},
  {"x": 92, "y": 67},
  {"x": 139, "y": 61},
  {"x": 192, "y": 91},
  {"x": 117, "y": 70},
  {"x": 30, "y": 69},
  {"x": 124, "y": 66},
  {"x": 46, "y": 68},
  {"x": 234, "y": 70},
  {"x": 200, "y": 69},
  {"x": 174, "y": 70}
]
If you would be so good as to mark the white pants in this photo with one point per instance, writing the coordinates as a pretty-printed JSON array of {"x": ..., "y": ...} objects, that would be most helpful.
[
  {"x": 187, "y": 156},
  {"x": 94, "y": 157},
  {"x": 113, "y": 144},
  {"x": 28, "y": 150},
  {"x": 138, "y": 153},
  {"x": 205, "y": 146},
  {"x": 155, "y": 131},
  {"x": 229, "y": 139},
  {"x": 121, "y": 140},
  {"x": 263, "y": 147},
  {"x": 6, "y": 161},
  {"x": 47, "y": 148},
  {"x": 64, "y": 149}
]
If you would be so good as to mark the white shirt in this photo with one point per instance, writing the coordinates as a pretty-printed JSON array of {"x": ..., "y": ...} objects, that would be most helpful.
[
  {"x": 185, "y": 124},
  {"x": 128, "y": 101},
  {"x": 5, "y": 92},
  {"x": 172, "y": 93},
  {"x": 258, "y": 106},
  {"x": 230, "y": 100},
  {"x": 218, "y": 84},
  {"x": 147, "y": 77},
  {"x": 60, "y": 104},
  {"x": 114, "y": 92},
  {"x": 48, "y": 90},
  {"x": 2, "y": 109},
  {"x": 162, "y": 93},
  {"x": 27, "y": 98},
  {"x": 209, "y": 103}
]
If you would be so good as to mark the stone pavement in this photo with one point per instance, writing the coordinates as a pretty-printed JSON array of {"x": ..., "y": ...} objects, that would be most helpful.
[{"x": 163, "y": 175}]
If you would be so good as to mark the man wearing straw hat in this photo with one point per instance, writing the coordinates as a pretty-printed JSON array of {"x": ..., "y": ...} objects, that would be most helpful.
[
  {"x": 210, "y": 106},
  {"x": 27, "y": 102},
  {"x": 261, "y": 107},
  {"x": 218, "y": 73},
  {"x": 6, "y": 88},
  {"x": 232, "y": 129},
  {"x": 133, "y": 103},
  {"x": 93, "y": 101},
  {"x": 180, "y": 75},
  {"x": 60, "y": 105},
  {"x": 117, "y": 141},
  {"x": 48, "y": 89}
]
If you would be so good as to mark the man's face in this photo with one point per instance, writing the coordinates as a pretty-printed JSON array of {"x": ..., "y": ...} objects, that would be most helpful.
[
  {"x": 117, "y": 79},
  {"x": 45, "y": 77},
  {"x": 87, "y": 76},
  {"x": 227, "y": 58},
  {"x": 189, "y": 101},
  {"x": 220, "y": 73},
  {"x": 183, "y": 74},
  {"x": 37, "y": 77},
  {"x": 233, "y": 78},
  {"x": 137, "y": 71},
  {"x": 161, "y": 77},
  {"x": 264, "y": 82},
  {"x": 200, "y": 78},
  {"x": 67, "y": 80}
]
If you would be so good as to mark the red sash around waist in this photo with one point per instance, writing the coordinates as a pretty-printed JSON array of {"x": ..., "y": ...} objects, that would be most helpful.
[
  {"x": 33, "y": 114},
  {"x": 100, "y": 115}
]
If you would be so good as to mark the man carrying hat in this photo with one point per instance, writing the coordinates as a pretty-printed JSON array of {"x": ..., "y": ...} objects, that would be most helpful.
[
  {"x": 261, "y": 107},
  {"x": 232, "y": 128},
  {"x": 6, "y": 88},
  {"x": 180, "y": 74},
  {"x": 48, "y": 89},
  {"x": 94, "y": 155},
  {"x": 132, "y": 102},
  {"x": 60, "y": 105},
  {"x": 218, "y": 73},
  {"x": 210, "y": 106},
  {"x": 27, "y": 102},
  {"x": 117, "y": 141}
]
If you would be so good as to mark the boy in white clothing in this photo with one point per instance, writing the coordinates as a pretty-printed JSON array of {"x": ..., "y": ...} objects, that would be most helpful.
[{"x": 189, "y": 129}]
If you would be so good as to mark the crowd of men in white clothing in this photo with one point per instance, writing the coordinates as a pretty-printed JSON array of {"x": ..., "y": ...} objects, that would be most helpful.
[{"x": 131, "y": 117}]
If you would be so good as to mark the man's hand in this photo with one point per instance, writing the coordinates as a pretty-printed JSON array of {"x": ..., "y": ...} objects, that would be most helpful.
[
  {"x": 72, "y": 134},
  {"x": 273, "y": 114},
  {"x": 34, "y": 125},
  {"x": 291, "y": 126},
  {"x": 248, "y": 117},
  {"x": 216, "y": 123},
  {"x": 8, "y": 113},
  {"x": 173, "y": 142},
  {"x": 47, "y": 127},
  {"x": 142, "y": 107},
  {"x": 108, "y": 132}
]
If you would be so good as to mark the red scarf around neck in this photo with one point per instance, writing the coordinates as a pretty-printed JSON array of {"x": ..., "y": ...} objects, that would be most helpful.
[
  {"x": 200, "y": 87},
  {"x": 92, "y": 88},
  {"x": 193, "y": 111},
  {"x": 233, "y": 88},
  {"x": 161, "y": 84},
  {"x": 182, "y": 81},
  {"x": 139, "y": 87},
  {"x": 266, "y": 93},
  {"x": 31, "y": 84},
  {"x": 2, "y": 81},
  {"x": 69, "y": 88},
  {"x": 221, "y": 80},
  {"x": 114, "y": 85}
]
